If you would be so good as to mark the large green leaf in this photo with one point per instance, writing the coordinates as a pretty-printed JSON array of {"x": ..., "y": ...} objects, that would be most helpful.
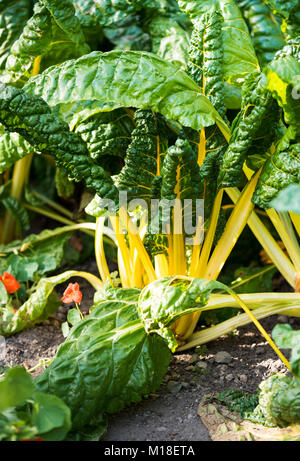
[
  {"x": 34, "y": 257},
  {"x": 127, "y": 79},
  {"x": 282, "y": 76},
  {"x": 239, "y": 55},
  {"x": 106, "y": 367}
]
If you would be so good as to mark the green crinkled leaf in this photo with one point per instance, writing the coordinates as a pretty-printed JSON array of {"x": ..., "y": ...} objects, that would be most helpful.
[
  {"x": 287, "y": 338},
  {"x": 112, "y": 11},
  {"x": 239, "y": 55},
  {"x": 13, "y": 17},
  {"x": 144, "y": 156},
  {"x": 282, "y": 76},
  {"x": 31, "y": 117},
  {"x": 206, "y": 58},
  {"x": 279, "y": 401},
  {"x": 248, "y": 130},
  {"x": 106, "y": 368},
  {"x": 107, "y": 133},
  {"x": 128, "y": 33},
  {"x": 265, "y": 31},
  {"x": 90, "y": 19},
  {"x": 280, "y": 171},
  {"x": 206, "y": 67},
  {"x": 288, "y": 199},
  {"x": 92, "y": 432},
  {"x": 150, "y": 83},
  {"x": 64, "y": 16}
]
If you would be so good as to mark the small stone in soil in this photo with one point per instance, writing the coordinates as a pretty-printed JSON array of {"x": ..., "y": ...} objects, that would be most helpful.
[
  {"x": 223, "y": 357},
  {"x": 201, "y": 365},
  {"x": 243, "y": 378},
  {"x": 174, "y": 387},
  {"x": 193, "y": 358}
]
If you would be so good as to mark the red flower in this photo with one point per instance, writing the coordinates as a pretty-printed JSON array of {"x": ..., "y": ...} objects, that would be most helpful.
[
  {"x": 10, "y": 283},
  {"x": 72, "y": 293}
]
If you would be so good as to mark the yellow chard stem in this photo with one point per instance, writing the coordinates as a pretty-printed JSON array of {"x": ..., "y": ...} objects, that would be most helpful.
[
  {"x": 296, "y": 221},
  {"x": 291, "y": 246},
  {"x": 161, "y": 265},
  {"x": 187, "y": 324},
  {"x": 137, "y": 264},
  {"x": 125, "y": 281},
  {"x": 214, "y": 332},
  {"x": 179, "y": 261},
  {"x": 267, "y": 241},
  {"x": 209, "y": 238},
  {"x": 19, "y": 179},
  {"x": 196, "y": 248},
  {"x": 59, "y": 218},
  {"x": 261, "y": 329},
  {"x": 99, "y": 250},
  {"x": 234, "y": 226},
  {"x": 92, "y": 279},
  {"x": 233, "y": 229},
  {"x": 123, "y": 252},
  {"x": 138, "y": 244}
]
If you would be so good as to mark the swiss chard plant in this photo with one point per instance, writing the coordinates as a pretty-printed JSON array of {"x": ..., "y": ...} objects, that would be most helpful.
[
  {"x": 180, "y": 115},
  {"x": 176, "y": 130}
]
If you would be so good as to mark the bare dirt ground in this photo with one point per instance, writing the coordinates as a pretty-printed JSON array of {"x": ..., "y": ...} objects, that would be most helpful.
[{"x": 240, "y": 360}]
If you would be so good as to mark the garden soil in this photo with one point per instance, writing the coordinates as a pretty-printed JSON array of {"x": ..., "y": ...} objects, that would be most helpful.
[{"x": 240, "y": 360}]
